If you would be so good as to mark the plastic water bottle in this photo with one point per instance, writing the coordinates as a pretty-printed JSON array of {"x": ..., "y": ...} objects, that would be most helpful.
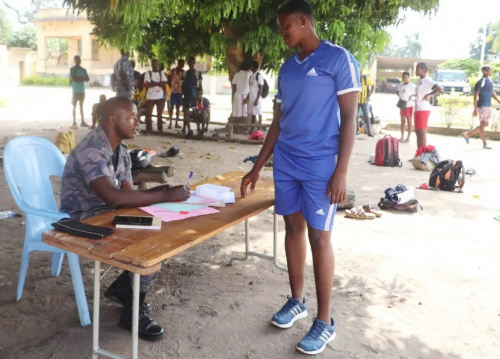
[{"x": 7, "y": 214}]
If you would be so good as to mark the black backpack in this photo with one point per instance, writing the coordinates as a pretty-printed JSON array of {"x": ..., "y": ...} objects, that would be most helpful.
[
  {"x": 448, "y": 175},
  {"x": 265, "y": 87}
]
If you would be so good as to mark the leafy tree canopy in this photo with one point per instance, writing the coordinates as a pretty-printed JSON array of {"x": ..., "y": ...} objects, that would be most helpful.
[
  {"x": 239, "y": 29},
  {"x": 470, "y": 66},
  {"x": 25, "y": 36},
  {"x": 475, "y": 47}
]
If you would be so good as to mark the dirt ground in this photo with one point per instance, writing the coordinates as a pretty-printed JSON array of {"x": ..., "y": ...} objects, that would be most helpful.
[{"x": 407, "y": 285}]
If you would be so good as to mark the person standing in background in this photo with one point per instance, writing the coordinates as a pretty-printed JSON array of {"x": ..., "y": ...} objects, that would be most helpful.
[
  {"x": 77, "y": 78},
  {"x": 175, "y": 81},
  {"x": 405, "y": 91},
  {"x": 426, "y": 88},
  {"x": 123, "y": 77},
  {"x": 155, "y": 81},
  {"x": 254, "y": 96}
]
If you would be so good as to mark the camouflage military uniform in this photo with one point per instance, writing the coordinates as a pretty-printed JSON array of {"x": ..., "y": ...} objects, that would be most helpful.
[
  {"x": 92, "y": 159},
  {"x": 123, "y": 65}
]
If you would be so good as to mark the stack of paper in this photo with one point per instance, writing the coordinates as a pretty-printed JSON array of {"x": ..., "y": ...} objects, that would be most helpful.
[{"x": 217, "y": 192}]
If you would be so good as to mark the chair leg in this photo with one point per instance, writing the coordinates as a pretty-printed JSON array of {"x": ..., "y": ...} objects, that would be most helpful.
[
  {"x": 81, "y": 299},
  {"x": 57, "y": 259},
  {"x": 25, "y": 260}
]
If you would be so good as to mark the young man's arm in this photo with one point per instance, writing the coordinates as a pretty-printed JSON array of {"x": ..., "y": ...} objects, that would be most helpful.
[
  {"x": 435, "y": 90},
  {"x": 348, "y": 103},
  {"x": 266, "y": 151},
  {"x": 126, "y": 196},
  {"x": 153, "y": 83},
  {"x": 476, "y": 95}
]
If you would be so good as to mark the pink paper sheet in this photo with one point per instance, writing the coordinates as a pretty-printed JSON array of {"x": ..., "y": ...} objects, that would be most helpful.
[{"x": 168, "y": 216}]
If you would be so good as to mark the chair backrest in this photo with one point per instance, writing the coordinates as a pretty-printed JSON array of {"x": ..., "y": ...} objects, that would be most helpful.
[{"x": 29, "y": 163}]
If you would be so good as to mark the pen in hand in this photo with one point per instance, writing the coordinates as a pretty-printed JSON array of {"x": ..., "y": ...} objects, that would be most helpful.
[{"x": 189, "y": 178}]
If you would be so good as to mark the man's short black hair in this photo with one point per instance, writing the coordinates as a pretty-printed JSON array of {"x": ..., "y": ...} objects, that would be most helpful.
[
  {"x": 191, "y": 58},
  {"x": 294, "y": 6},
  {"x": 255, "y": 64},
  {"x": 199, "y": 89},
  {"x": 111, "y": 105},
  {"x": 422, "y": 65},
  {"x": 406, "y": 73}
]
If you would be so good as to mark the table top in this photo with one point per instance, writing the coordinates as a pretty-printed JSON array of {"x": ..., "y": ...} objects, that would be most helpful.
[{"x": 142, "y": 250}]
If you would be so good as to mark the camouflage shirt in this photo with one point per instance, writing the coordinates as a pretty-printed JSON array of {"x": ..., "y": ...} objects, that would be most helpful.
[{"x": 90, "y": 160}]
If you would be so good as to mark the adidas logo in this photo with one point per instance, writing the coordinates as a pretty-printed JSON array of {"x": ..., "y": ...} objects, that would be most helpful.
[
  {"x": 319, "y": 211},
  {"x": 312, "y": 72}
]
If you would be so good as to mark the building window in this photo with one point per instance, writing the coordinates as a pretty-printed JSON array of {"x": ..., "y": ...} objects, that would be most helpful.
[{"x": 95, "y": 50}]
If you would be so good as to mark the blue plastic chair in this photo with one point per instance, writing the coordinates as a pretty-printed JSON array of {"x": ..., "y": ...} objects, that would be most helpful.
[{"x": 28, "y": 163}]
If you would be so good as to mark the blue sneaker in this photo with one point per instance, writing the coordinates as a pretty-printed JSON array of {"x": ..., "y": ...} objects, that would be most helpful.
[
  {"x": 292, "y": 310},
  {"x": 317, "y": 338}
]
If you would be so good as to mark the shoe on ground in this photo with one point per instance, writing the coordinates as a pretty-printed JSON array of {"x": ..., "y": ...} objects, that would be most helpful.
[
  {"x": 317, "y": 338},
  {"x": 149, "y": 330},
  {"x": 292, "y": 311},
  {"x": 486, "y": 147},
  {"x": 84, "y": 124},
  {"x": 120, "y": 291}
]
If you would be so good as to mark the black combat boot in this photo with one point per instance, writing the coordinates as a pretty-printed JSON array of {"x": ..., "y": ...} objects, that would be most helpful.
[
  {"x": 148, "y": 329},
  {"x": 120, "y": 291}
]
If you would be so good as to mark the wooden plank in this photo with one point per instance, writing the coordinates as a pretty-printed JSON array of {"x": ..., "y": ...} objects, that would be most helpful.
[
  {"x": 141, "y": 251},
  {"x": 51, "y": 237}
]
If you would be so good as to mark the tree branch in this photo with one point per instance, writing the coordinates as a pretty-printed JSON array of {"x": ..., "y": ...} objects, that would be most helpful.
[{"x": 17, "y": 13}]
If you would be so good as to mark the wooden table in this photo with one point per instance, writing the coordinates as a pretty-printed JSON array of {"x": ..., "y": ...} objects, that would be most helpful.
[{"x": 142, "y": 251}]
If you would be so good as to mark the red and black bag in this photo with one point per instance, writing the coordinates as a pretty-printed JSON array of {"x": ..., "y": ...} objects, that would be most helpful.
[
  {"x": 448, "y": 175},
  {"x": 387, "y": 152}
]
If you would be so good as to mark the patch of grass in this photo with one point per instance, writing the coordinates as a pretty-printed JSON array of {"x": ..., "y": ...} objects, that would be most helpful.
[{"x": 45, "y": 81}]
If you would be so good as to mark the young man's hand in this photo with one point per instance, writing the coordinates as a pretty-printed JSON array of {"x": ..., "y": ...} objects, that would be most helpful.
[
  {"x": 256, "y": 102},
  {"x": 251, "y": 179},
  {"x": 474, "y": 113},
  {"x": 178, "y": 193},
  {"x": 337, "y": 188}
]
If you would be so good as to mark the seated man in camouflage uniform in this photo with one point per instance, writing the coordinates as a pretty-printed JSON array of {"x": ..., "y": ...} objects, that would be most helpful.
[{"x": 97, "y": 178}]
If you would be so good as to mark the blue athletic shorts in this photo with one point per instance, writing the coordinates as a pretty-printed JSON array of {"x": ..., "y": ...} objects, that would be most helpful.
[
  {"x": 175, "y": 99},
  {"x": 301, "y": 185}
]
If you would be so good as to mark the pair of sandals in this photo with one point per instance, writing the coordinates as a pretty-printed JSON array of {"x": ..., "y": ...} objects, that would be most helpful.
[{"x": 368, "y": 211}]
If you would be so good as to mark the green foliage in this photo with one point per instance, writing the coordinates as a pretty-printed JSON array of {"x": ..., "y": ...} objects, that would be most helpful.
[
  {"x": 26, "y": 11},
  {"x": 177, "y": 28},
  {"x": 45, "y": 81},
  {"x": 23, "y": 37},
  {"x": 57, "y": 44},
  {"x": 5, "y": 28},
  {"x": 452, "y": 105},
  {"x": 470, "y": 66}
]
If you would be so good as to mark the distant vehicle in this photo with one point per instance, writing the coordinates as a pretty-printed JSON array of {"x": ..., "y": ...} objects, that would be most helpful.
[
  {"x": 450, "y": 81},
  {"x": 390, "y": 85},
  {"x": 496, "y": 84}
]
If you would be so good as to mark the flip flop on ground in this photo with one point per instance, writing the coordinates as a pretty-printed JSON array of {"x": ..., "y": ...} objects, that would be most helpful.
[
  {"x": 358, "y": 213},
  {"x": 373, "y": 208}
]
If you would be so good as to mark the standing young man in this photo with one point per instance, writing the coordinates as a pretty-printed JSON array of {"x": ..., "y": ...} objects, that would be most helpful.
[
  {"x": 425, "y": 89},
  {"x": 175, "y": 81},
  {"x": 155, "y": 82},
  {"x": 77, "y": 77},
  {"x": 123, "y": 77},
  {"x": 311, "y": 138},
  {"x": 367, "y": 88},
  {"x": 191, "y": 80},
  {"x": 405, "y": 90},
  {"x": 96, "y": 179},
  {"x": 254, "y": 96},
  {"x": 483, "y": 92}
]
